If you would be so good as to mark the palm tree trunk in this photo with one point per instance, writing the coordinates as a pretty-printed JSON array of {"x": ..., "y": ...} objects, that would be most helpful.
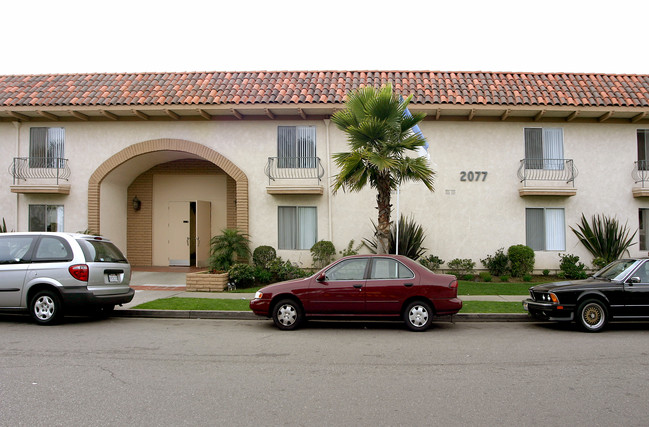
[{"x": 384, "y": 207}]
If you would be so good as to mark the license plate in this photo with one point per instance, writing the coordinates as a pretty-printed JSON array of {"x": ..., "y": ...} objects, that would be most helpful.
[{"x": 113, "y": 278}]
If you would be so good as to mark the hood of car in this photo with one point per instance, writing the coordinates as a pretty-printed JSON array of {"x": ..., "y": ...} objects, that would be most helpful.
[
  {"x": 285, "y": 286},
  {"x": 569, "y": 284}
]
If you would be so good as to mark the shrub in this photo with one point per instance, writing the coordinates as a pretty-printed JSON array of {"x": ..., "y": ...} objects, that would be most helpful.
[
  {"x": 498, "y": 264},
  {"x": 262, "y": 255},
  {"x": 546, "y": 272},
  {"x": 350, "y": 249},
  {"x": 468, "y": 277},
  {"x": 431, "y": 262},
  {"x": 527, "y": 277},
  {"x": 504, "y": 278},
  {"x": 322, "y": 253},
  {"x": 521, "y": 259},
  {"x": 262, "y": 275},
  {"x": 461, "y": 267},
  {"x": 242, "y": 275},
  {"x": 223, "y": 248},
  {"x": 485, "y": 277},
  {"x": 281, "y": 270},
  {"x": 411, "y": 238},
  {"x": 604, "y": 237},
  {"x": 599, "y": 263},
  {"x": 571, "y": 268}
]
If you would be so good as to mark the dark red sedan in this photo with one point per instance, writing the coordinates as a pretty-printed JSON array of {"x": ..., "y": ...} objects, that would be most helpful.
[{"x": 369, "y": 286}]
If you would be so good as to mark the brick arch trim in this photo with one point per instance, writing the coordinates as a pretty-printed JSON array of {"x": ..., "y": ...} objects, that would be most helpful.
[{"x": 154, "y": 145}]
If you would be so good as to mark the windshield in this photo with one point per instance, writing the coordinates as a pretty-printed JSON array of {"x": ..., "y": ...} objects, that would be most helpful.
[
  {"x": 100, "y": 251},
  {"x": 616, "y": 270}
]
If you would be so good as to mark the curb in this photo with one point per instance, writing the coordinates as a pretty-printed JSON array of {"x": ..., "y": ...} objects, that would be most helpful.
[{"x": 248, "y": 315}]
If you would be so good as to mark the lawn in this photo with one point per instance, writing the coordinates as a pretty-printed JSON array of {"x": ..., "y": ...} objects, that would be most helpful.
[{"x": 176, "y": 303}]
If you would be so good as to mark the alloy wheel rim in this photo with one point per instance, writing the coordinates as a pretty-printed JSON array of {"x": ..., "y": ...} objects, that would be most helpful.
[
  {"x": 286, "y": 315},
  {"x": 44, "y": 308},
  {"x": 593, "y": 316},
  {"x": 418, "y": 316}
]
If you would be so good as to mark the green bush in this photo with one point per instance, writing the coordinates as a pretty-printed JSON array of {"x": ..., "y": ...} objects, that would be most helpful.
[
  {"x": 322, "y": 253},
  {"x": 281, "y": 270},
  {"x": 262, "y": 275},
  {"x": 350, "y": 249},
  {"x": 546, "y": 272},
  {"x": 599, "y": 263},
  {"x": 431, "y": 262},
  {"x": 485, "y": 277},
  {"x": 498, "y": 264},
  {"x": 571, "y": 268},
  {"x": 262, "y": 255},
  {"x": 605, "y": 237},
  {"x": 224, "y": 247},
  {"x": 521, "y": 258},
  {"x": 468, "y": 277},
  {"x": 461, "y": 267},
  {"x": 504, "y": 278},
  {"x": 242, "y": 275},
  {"x": 527, "y": 277}
]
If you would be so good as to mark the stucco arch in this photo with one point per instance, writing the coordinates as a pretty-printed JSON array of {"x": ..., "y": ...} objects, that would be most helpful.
[{"x": 155, "y": 145}]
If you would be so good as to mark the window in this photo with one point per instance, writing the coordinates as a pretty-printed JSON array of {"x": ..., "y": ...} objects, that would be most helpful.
[
  {"x": 14, "y": 248},
  {"x": 296, "y": 147},
  {"x": 545, "y": 229},
  {"x": 51, "y": 248},
  {"x": 643, "y": 149},
  {"x": 351, "y": 269},
  {"x": 45, "y": 217},
  {"x": 385, "y": 268},
  {"x": 642, "y": 232},
  {"x": 544, "y": 148},
  {"x": 298, "y": 227},
  {"x": 46, "y": 147}
]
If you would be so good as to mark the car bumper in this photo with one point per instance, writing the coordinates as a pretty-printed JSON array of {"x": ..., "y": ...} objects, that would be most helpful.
[
  {"x": 81, "y": 298},
  {"x": 549, "y": 310},
  {"x": 261, "y": 307},
  {"x": 448, "y": 306}
]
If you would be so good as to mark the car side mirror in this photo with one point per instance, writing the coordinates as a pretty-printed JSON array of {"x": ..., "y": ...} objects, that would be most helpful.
[
  {"x": 321, "y": 277},
  {"x": 634, "y": 279}
]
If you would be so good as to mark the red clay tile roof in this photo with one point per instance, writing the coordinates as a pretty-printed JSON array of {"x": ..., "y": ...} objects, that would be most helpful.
[{"x": 322, "y": 87}]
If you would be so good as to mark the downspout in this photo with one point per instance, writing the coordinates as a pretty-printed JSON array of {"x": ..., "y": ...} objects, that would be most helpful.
[
  {"x": 331, "y": 236},
  {"x": 17, "y": 126}
]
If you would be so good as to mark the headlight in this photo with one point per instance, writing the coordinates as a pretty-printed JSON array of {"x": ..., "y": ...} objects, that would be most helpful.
[{"x": 258, "y": 295}]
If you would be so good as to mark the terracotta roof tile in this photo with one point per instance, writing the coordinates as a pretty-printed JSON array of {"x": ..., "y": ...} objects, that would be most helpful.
[{"x": 323, "y": 87}]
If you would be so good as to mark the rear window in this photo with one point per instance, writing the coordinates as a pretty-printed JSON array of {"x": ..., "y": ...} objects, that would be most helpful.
[{"x": 101, "y": 251}]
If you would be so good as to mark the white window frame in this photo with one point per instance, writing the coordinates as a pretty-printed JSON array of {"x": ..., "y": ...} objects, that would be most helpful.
[
  {"x": 297, "y": 227},
  {"x": 549, "y": 233},
  {"x": 51, "y": 220}
]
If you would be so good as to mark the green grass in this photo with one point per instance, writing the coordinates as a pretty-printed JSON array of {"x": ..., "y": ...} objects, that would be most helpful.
[
  {"x": 176, "y": 303},
  {"x": 242, "y": 305},
  {"x": 491, "y": 307},
  {"x": 493, "y": 288}
]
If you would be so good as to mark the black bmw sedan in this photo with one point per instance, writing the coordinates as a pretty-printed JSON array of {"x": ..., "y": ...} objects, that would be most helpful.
[{"x": 619, "y": 291}]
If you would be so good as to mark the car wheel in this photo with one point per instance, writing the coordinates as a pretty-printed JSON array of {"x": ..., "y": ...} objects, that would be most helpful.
[
  {"x": 418, "y": 316},
  {"x": 592, "y": 315},
  {"x": 287, "y": 314},
  {"x": 46, "y": 308}
]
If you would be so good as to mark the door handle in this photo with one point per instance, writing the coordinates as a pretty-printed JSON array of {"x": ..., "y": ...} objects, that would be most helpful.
[
  {"x": 358, "y": 286},
  {"x": 407, "y": 285},
  {"x": 188, "y": 241}
]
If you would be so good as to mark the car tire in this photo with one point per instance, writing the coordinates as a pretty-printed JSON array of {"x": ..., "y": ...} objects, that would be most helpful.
[
  {"x": 592, "y": 315},
  {"x": 287, "y": 314},
  {"x": 46, "y": 307},
  {"x": 418, "y": 316}
]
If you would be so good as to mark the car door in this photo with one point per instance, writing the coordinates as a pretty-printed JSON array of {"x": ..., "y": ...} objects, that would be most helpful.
[
  {"x": 389, "y": 284},
  {"x": 14, "y": 262},
  {"x": 340, "y": 291},
  {"x": 636, "y": 292}
]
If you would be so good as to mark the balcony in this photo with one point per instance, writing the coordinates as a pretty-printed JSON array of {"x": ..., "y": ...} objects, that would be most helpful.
[
  {"x": 294, "y": 175},
  {"x": 547, "y": 177},
  {"x": 640, "y": 176},
  {"x": 43, "y": 175}
]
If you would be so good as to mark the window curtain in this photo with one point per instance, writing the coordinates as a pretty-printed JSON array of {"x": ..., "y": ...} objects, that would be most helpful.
[
  {"x": 46, "y": 147},
  {"x": 55, "y": 147},
  {"x": 287, "y": 219},
  {"x": 643, "y": 149},
  {"x": 307, "y": 227},
  {"x": 533, "y": 148},
  {"x": 555, "y": 230},
  {"x": 535, "y": 229},
  {"x": 286, "y": 151},
  {"x": 642, "y": 232},
  {"x": 296, "y": 147},
  {"x": 306, "y": 146},
  {"x": 553, "y": 148}
]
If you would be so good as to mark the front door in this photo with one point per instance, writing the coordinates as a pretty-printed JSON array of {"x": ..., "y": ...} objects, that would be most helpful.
[
  {"x": 341, "y": 291},
  {"x": 189, "y": 228},
  {"x": 636, "y": 295}
]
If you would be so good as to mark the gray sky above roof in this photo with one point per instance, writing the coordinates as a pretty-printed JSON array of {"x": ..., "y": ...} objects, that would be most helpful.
[{"x": 78, "y": 36}]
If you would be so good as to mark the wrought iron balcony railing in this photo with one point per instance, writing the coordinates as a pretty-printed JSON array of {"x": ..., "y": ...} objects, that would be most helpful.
[
  {"x": 641, "y": 172},
  {"x": 40, "y": 168},
  {"x": 294, "y": 168},
  {"x": 547, "y": 170}
]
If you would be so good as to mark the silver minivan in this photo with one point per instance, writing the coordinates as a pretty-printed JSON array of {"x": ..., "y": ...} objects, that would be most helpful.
[{"x": 52, "y": 274}]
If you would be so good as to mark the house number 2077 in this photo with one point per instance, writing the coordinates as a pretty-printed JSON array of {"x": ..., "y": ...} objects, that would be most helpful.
[{"x": 472, "y": 176}]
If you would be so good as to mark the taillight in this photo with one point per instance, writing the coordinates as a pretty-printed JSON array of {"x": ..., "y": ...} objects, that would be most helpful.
[
  {"x": 453, "y": 284},
  {"x": 79, "y": 272}
]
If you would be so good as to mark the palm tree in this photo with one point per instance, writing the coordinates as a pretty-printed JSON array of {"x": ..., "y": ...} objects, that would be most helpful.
[
  {"x": 224, "y": 247},
  {"x": 380, "y": 134}
]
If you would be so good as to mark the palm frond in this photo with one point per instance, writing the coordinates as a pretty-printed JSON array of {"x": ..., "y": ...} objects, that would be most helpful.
[{"x": 604, "y": 237}]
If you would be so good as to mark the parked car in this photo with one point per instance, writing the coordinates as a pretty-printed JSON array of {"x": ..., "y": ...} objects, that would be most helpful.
[
  {"x": 619, "y": 291},
  {"x": 51, "y": 274},
  {"x": 370, "y": 286}
]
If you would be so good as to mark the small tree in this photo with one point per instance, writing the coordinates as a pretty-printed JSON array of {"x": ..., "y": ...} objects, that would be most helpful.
[
  {"x": 521, "y": 258},
  {"x": 498, "y": 264},
  {"x": 322, "y": 253},
  {"x": 262, "y": 255},
  {"x": 604, "y": 237},
  {"x": 223, "y": 248}
]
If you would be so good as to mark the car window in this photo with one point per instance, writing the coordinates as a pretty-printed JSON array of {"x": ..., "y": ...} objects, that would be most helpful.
[
  {"x": 386, "y": 268},
  {"x": 350, "y": 269},
  {"x": 616, "y": 270},
  {"x": 14, "y": 248},
  {"x": 52, "y": 248},
  {"x": 643, "y": 273},
  {"x": 101, "y": 251}
]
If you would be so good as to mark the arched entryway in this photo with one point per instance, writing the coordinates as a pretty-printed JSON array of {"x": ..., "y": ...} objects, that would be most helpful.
[{"x": 113, "y": 185}]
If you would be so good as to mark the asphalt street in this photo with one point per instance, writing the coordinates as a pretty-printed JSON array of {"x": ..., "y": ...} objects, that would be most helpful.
[{"x": 134, "y": 371}]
